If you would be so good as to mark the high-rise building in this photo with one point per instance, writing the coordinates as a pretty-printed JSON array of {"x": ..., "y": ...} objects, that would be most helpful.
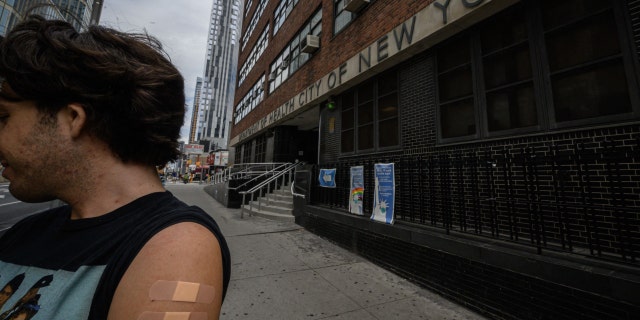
[
  {"x": 218, "y": 85},
  {"x": 487, "y": 149},
  {"x": 195, "y": 112},
  {"x": 80, "y": 13}
]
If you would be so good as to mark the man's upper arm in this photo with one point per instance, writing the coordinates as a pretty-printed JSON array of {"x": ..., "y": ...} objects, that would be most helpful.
[{"x": 186, "y": 252}]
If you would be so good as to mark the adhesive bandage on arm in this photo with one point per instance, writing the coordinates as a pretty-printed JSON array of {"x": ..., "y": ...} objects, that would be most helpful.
[
  {"x": 173, "y": 316},
  {"x": 163, "y": 290}
]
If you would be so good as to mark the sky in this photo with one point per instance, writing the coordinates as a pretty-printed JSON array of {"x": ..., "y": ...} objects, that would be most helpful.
[{"x": 181, "y": 26}]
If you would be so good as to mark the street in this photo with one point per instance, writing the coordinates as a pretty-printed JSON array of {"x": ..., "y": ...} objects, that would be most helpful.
[{"x": 281, "y": 271}]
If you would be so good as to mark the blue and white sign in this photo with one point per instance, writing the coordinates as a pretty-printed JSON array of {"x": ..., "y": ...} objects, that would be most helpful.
[
  {"x": 327, "y": 178},
  {"x": 384, "y": 193}
]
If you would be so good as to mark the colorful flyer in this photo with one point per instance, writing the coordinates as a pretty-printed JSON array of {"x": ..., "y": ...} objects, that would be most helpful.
[
  {"x": 327, "y": 178},
  {"x": 356, "y": 196},
  {"x": 384, "y": 193}
]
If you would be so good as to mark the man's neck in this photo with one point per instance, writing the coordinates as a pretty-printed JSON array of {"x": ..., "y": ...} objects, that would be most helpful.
[{"x": 111, "y": 186}]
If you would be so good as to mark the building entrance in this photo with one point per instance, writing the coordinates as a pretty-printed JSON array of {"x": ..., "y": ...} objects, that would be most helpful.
[{"x": 291, "y": 144}]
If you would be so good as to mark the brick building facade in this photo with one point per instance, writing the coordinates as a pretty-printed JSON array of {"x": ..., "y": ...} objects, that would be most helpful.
[{"x": 513, "y": 129}]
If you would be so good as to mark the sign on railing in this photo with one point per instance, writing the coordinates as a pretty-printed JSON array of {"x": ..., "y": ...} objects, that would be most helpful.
[
  {"x": 384, "y": 193},
  {"x": 356, "y": 196},
  {"x": 327, "y": 178}
]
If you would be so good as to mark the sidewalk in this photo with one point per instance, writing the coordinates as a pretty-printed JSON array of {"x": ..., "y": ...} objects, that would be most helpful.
[{"x": 281, "y": 271}]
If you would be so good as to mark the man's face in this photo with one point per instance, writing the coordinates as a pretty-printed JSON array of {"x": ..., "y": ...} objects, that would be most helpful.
[{"x": 32, "y": 150}]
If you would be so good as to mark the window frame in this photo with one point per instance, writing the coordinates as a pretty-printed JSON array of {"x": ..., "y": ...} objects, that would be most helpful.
[
  {"x": 281, "y": 13},
  {"x": 541, "y": 77},
  {"x": 632, "y": 74},
  {"x": 260, "y": 148},
  {"x": 376, "y": 97},
  {"x": 256, "y": 53},
  {"x": 293, "y": 52},
  {"x": 354, "y": 15},
  {"x": 251, "y": 100},
  {"x": 253, "y": 23}
]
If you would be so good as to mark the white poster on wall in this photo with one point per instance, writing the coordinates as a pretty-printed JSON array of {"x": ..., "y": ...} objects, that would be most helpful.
[
  {"x": 384, "y": 193},
  {"x": 356, "y": 196}
]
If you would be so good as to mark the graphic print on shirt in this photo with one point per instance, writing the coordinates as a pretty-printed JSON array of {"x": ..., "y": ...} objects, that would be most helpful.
[
  {"x": 36, "y": 293},
  {"x": 27, "y": 306},
  {"x": 10, "y": 288}
]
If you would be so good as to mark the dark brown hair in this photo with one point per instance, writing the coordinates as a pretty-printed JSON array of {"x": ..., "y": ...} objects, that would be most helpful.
[{"x": 133, "y": 95}]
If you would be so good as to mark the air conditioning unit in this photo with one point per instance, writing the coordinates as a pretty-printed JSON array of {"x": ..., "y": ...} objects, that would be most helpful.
[
  {"x": 272, "y": 76},
  {"x": 355, "y": 5},
  {"x": 310, "y": 43}
]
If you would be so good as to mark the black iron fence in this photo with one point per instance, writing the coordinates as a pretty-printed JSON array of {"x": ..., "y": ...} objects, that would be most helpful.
[{"x": 582, "y": 198}]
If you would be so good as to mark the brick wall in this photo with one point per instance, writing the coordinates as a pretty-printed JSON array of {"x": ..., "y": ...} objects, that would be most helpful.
[
  {"x": 334, "y": 50},
  {"x": 329, "y": 142},
  {"x": 418, "y": 92},
  {"x": 577, "y": 191}
]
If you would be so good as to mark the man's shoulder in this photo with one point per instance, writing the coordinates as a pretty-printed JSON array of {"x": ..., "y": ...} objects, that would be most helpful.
[
  {"x": 158, "y": 211},
  {"x": 165, "y": 203}
]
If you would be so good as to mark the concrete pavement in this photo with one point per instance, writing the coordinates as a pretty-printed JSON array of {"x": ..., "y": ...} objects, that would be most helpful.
[{"x": 281, "y": 271}]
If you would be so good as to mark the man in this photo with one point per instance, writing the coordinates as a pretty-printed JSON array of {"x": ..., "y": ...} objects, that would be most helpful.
[{"x": 86, "y": 118}]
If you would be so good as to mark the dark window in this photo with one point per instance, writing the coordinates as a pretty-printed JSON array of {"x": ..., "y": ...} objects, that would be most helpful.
[
  {"x": 455, "y": 89},
  {"x": 388, "y": 110},
  {"x": 491, "y": 83},
  {"x": 370, "y": 115},
  {"x": 347, "y": 122},
  {"x": 596, "y": 92},
  {"x": 508, "y": 75},
  {"x": 261, "y": 148},
  {"x": 247, "y": 148},
  {"x": 365, "y": 116},
  {"x": 587, "y": 69},
  {"x": 238, "y": 154}
]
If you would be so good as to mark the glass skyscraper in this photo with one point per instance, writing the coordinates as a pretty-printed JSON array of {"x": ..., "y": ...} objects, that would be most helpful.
[
  {"x": 195, "y": 112},
  {"x": 80, "y": 13},
  {"x": 218, "y": 86}
]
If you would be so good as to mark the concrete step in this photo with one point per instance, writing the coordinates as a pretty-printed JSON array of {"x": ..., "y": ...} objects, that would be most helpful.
[
  {"x": 271, "y": 208},
  {"x": 268, "y": 215},
  {"x": 282, "y": 193},
  {"x": 277, "y": 198},
  {"x": 277, "y": 205},
  {"x": 277, "y": 202}
]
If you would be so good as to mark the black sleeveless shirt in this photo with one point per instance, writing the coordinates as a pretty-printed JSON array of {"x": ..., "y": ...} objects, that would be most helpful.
[{"x": 57, "y": 268}]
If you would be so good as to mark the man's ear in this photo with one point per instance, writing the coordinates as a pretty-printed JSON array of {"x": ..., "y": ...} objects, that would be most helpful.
[{"x": 75, "y": 118}]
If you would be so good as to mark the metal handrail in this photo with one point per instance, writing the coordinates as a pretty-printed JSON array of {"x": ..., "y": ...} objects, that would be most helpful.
[
  {"x": 247, "y": 170},
  {"x": 296, "y": 194},
  {"x": 264, "y": 174},
  {"x": 267, "y": 183}
]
